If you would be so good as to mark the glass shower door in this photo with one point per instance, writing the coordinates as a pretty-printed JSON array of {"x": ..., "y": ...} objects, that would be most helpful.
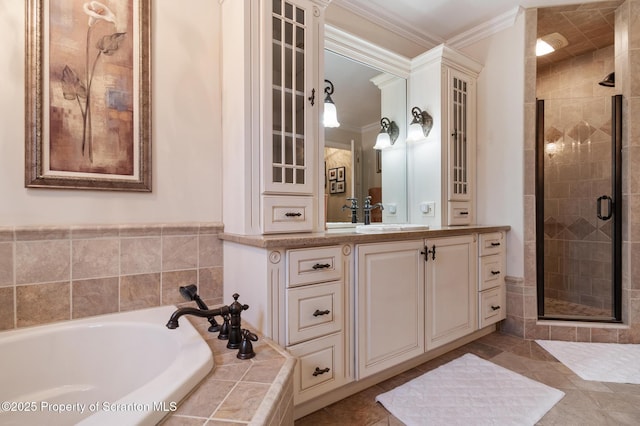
[{"x": 578, "y": 209}]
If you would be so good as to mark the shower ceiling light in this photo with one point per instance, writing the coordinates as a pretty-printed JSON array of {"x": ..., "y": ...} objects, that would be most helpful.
[{"x": 550, "y": 43}]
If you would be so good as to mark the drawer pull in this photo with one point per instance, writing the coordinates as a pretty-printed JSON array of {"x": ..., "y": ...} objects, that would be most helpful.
[
  {"x": 296, "y": 214},
  {"x": 495, "y": 308},
  {"x": 495, "y": 244},
  {"x": 319, "y": 372},
  {"x": 318, "y": 312},
  {"x": 321, "y": 266},
  {"x": 495, "y": 272},
  {"x": 463, "y": 213}
]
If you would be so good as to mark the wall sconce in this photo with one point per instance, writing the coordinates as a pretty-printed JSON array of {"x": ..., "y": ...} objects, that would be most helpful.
[
  {"x": 388, "y": 135},
  {"x": 420, "y": 126},
  {"x": 330, "y": 113}
]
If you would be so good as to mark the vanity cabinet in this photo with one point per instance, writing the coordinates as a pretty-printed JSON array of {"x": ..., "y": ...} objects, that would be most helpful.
[
  {"x": 270, "y": 115},
  {"x": 460, "y": 136},
  {"x": 451, "y": 289},
  {"x": 315, "y": 319},
  {"x": 389, "y": 305},
  {"x": 492, "y": 296}
]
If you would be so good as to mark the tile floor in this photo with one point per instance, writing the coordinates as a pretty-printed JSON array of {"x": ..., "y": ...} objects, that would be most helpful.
[{"x": 585, "y": 403}]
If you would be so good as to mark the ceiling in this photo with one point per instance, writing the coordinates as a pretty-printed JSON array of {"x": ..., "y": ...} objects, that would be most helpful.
[
  {"x": 587, "y": 26},
  {"x": 432, "y": 22}
]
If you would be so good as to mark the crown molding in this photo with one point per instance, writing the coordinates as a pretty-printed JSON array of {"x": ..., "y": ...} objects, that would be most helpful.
[
  {"x": 356, "y": 48},
  {"x": 485, "y": 29},
  {"x": 390, "y": 22}
]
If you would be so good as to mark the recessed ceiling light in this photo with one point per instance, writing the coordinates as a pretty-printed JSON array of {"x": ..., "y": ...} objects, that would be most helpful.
[{"x": 549, "y": 43}]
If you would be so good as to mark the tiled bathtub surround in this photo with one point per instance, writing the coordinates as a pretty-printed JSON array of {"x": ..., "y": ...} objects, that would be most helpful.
[{"x": 50, "y": 274}]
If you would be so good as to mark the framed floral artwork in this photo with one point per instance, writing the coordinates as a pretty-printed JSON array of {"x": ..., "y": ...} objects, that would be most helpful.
[{"x": 88, "y": 97}]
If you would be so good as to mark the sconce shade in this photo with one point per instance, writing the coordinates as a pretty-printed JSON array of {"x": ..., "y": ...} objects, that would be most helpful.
[
  {"x": 388, "y": 135},
  {"x": 420, "y": 126},
  {"x": 330, "y": 118}
]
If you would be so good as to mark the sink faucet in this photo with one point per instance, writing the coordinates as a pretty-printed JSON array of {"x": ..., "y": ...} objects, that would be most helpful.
[
  {"x": 368, "y": 207},
  {"x": 233, "y": 311},
  {"x": 354, "y": 209}
]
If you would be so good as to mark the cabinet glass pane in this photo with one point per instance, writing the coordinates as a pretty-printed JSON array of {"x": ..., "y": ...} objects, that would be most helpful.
[
  {"x": 289, "y": 93},
  {"x": 288, "y": 150},
  {"x": 459, "y": 139},
  {"x": 288, "y": 10},
  {"x": 299, "y": 152},
  {"x": 299, "y": 16}
]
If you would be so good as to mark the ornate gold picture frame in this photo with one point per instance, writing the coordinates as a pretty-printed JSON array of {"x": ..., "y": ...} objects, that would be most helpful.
[{"x": 88, "y": 94}]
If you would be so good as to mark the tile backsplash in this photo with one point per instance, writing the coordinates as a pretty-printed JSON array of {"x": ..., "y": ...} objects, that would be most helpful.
[{"x": 50, "y": 274}]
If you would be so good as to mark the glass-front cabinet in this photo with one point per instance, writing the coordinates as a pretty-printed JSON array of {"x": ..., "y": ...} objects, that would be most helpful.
[
  {"x": 289, "y": 160},
  {"x": 270, "y": 69}
]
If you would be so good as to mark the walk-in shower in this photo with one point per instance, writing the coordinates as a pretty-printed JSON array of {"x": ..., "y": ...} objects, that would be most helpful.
[
  {"x": 578, "y": 166},
  {"x": 578, "y": 195}
]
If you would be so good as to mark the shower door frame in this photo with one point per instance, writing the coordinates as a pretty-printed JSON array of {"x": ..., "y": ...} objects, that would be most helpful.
[{"x": 616, "y": 191}]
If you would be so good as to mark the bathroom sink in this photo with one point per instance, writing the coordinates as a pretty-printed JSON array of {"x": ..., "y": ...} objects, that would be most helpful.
[{"x": 378, "y": 228}]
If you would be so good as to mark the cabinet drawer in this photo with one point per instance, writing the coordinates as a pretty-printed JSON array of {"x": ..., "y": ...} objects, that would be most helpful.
[
  {"x": 491, "y": 272},
  {"x": 308, "y": 266},
  {"x": 492, "y": 243},
  {"x": 492, "y": 306},
  {"x": 459, "y": 213},
  {"x": 320, "y": 367},
  {"x": 314, "y": 311},
  {"x": 288, "y": 214}
]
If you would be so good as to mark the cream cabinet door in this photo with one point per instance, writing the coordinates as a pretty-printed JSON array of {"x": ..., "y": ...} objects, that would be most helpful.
[
  {"x": 389, "y": 305},
  {"x": 451, "y": 289}
]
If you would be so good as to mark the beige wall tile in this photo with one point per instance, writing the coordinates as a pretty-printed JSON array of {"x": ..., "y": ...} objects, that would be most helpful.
[
  {"x": 33, "y": 233},
  {"x": 171, "y": 283},
  {"x": 95, "y": 258},
  {"x": 6, "y": 264},
  {"x": 139, "y": 291},
  {"x": 7, "y": 308},
  {"x": 179, "y": 252},
  {"x": 211, "y": 283},
  {"x": 7, "y": 234},
  {"x": 94, "y": 297},
  {"x": 209, "y": 251},
  {"x": 140, "y": 255},
  {"x": 42, "y": 303},
  {"x": 604, "y": 335},
  {"x": 42, "y": 261},
  {"x": 568, "y": 334}
]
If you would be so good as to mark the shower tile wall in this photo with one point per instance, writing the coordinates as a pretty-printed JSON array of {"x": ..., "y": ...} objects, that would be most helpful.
[
  {"x": 60, "y": 273},
  {"x": 577, "y": 171}
]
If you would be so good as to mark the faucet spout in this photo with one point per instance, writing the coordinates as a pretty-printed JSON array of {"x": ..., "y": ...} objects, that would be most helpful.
[
  {"x": 354, "y": 209},
  {"x": 173, "y": 321},
  {"x": 368, "y": 207}
]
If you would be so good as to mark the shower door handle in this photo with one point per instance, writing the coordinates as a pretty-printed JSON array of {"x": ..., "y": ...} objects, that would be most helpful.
[{"x": 609, "y": 207}]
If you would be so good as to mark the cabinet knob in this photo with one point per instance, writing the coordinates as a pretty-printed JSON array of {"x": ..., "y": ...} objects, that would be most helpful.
[
  {"x": 495, "y": 308},
  {"x": 319, "y": 371},
  {"x": 318, "y": 313},
  {"x": 321, "y": 266}
]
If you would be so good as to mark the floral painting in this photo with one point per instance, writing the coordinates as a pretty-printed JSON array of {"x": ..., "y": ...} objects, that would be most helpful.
[{"x": 88, "y": 99}]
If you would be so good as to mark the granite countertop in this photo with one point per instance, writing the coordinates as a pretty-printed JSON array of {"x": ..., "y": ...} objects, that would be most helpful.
[
  {"x": 348, "y": 235},
  {"x": 257, "y": 391}
]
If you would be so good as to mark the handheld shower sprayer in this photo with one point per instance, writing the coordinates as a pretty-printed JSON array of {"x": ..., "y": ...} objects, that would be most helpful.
[{"x": 190, "y": 292}]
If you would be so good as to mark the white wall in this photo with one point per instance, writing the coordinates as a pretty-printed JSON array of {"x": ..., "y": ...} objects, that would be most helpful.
[
  {"x": 500, "y": 163},
  {"x": 186, "y": 130}
]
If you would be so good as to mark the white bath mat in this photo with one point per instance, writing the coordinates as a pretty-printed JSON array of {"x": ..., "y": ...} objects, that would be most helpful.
[
  {"x": 602, "y": 362},
  {"x": 470, "y": 391}
]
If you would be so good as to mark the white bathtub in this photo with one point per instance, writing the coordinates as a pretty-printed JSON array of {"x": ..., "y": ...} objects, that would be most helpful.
[{"x": 125, "y": 368}]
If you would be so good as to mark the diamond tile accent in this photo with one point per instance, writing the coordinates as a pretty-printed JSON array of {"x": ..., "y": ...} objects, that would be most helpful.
[
  {"x": 552, "y": 227},
  {"x": 581, "y": 132},
  {"x": 581, "y": 228}
]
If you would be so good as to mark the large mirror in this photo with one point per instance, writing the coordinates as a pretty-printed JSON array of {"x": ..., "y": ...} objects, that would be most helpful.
[{"x": 363, "y": 93}]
